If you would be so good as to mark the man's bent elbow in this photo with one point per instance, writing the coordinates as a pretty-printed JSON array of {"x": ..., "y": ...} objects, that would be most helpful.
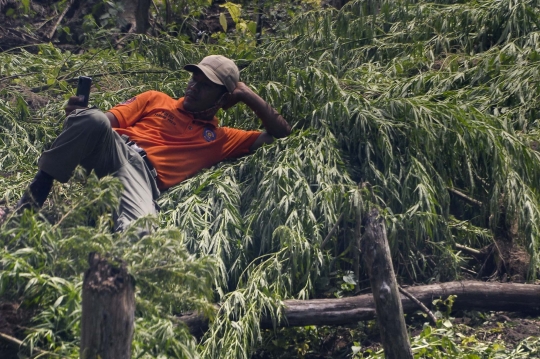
[
  {"x": 282, "y": 131},
  {"x": 282, "y": 134}
]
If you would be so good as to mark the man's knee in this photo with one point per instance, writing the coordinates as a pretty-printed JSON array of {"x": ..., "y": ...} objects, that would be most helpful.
[{"x": 91, "y": 121}]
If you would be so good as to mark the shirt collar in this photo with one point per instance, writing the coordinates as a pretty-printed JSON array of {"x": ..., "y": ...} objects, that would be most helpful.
[{"x": 180, "y": 106}]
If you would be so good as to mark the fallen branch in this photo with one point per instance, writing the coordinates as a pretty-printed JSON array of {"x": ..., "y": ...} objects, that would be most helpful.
[
  {"x": 68, "y": 6},
  {"x": 471, "y": 295},
  {"x": 471, "y": 272},
  {"x": 17, "y": 76},
  {"x": 20, "y": 343},
  {"x": 465, "y": 197},
  {"x": 75, "y": 79},
  {"x": 331, "y": 233},
  {"x": 474, "y": 252},
  {"x": 420, "y": 304}
]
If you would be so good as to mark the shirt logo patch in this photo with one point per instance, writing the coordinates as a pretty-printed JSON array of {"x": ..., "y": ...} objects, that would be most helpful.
[
  {"x": 209, "y": 135},
  {"x": 127, "y": 102}
]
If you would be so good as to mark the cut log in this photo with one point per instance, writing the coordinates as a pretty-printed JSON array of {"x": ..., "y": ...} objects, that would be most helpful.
[
  {"x": 376, "y": 255},
  {"x": 108, "y": 310},
  {"x": 471, "y": 295}
]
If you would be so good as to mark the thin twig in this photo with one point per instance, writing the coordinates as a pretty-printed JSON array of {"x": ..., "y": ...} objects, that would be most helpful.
[
  {"x": 68, "y": 6},
  {"x": 469, "y": 250},
  {"x": 19, "y": 75},
  {"x": 23, "y": 34},
  {"x": 120, "y": 40},
  {"x": 42, "y": 24},
  {"x": 485, "y": 262},
  {"x": 75, "y": 79},
  {"x": 465, "y": 197},
  {"x": 82, "y": 66},
  {"x": 331, "y": 231},
  {"x": 155, "y": 7},
  {"x": 469, "y": 271},
  {"x": 500, "y": 254},
  {"x": 420, "y": 304},
  {"x": 20, "y": 343}
]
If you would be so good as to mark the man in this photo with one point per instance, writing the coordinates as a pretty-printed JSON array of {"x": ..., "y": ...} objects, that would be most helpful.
[{"x": 152, "y": 142}]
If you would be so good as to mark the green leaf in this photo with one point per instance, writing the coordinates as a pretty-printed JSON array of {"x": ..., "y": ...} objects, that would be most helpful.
[
  {"x": 234, "y": 10},
  {"x": 58, "y": 301},
  {"x": 349, "y": 278},
  {"x": 447, "y": 324},
  {"x": 26, "y": 5},
  {"x": 223, "y": 21},
  {"x": 252, "y": 27},
  {"x": 241, "y": 26}
]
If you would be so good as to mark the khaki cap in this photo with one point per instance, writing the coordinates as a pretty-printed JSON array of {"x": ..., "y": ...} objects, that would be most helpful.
[{"x": 219, "y": 69}]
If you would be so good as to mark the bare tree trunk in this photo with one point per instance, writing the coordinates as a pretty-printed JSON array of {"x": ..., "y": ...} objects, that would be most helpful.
[
  {"x": 142, "y": 16},
  {"x": 376, "y": 254},
  {"x": 168, "y": 12},
  {"x": 108, "y": 310},
  {"x": 135, "y": 16},
  {"x": 258, "y": 31}
]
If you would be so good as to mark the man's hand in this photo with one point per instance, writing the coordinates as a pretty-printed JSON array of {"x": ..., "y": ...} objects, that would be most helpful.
[
  {"x": 230, "y": 99},
  {"x": 73, "y": 104}
]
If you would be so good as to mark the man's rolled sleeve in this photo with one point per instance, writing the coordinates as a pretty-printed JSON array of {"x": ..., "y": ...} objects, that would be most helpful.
[
  {"x": 239, "y": 141},
  {"x": 129, "y": 112}
]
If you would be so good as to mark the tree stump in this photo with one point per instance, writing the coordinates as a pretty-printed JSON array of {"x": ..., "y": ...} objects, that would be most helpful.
[
  {"x": 108, "y": 310},
  {"x": 376, "y": 254}
]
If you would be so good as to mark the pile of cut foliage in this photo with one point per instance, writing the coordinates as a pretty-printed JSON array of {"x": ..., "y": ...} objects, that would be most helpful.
[{"x": 429, "y": 110}]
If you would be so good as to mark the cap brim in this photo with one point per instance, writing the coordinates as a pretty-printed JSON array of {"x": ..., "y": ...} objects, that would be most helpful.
[{"x": 209, "y": 73}]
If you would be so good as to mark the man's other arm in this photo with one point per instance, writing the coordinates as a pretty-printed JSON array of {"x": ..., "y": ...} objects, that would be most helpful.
[{"x": 112, "y": 119}]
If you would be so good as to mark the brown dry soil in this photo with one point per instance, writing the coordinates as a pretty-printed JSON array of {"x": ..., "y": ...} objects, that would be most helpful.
[{"x": 507, "y": 329}]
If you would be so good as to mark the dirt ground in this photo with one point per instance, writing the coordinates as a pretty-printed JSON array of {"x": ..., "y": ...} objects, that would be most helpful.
[
  {"x": 505, "y": 328},
  {"x": 508, "y": 329}
]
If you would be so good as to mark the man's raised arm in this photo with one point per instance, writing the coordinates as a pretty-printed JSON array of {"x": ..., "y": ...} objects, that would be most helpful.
[{"x": 276, "y": 126}]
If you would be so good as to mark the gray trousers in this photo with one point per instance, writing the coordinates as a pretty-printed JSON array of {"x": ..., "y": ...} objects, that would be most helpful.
[{"x": 88, "y": 140}]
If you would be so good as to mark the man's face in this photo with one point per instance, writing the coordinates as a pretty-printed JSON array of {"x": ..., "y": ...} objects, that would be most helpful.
[{"x": 201, "y": 93}]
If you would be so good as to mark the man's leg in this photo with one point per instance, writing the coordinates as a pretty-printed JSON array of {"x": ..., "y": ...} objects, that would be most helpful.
[
  {"x": 88, "y": 139},
  {"x": 140, "y": 192},
  {"x": 37, "y": 192},
  {"x": 84, "y": 132}
]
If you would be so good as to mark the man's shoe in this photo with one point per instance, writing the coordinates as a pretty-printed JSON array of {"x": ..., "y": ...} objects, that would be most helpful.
[{"x": 36, "y": 193}]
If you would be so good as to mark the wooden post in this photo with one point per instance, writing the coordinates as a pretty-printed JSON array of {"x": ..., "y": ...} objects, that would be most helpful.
[
  {"x": 376, "y": 254},
  {"x": 108, "y": 310}
]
